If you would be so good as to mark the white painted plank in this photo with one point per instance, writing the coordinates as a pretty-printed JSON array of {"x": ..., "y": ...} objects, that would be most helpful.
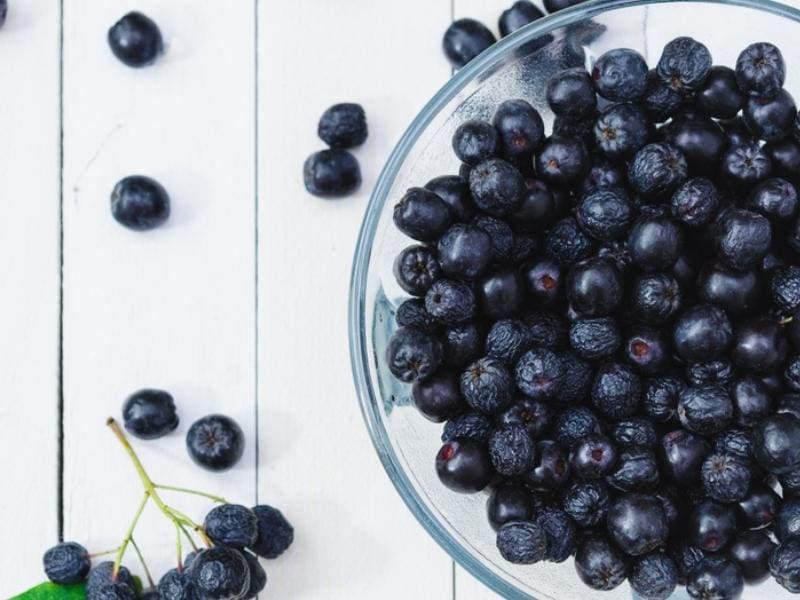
[
  {"x": 29, "y": 232},
  {"x": 353, "y": 531},
  {"x": 174, "y": 307}
]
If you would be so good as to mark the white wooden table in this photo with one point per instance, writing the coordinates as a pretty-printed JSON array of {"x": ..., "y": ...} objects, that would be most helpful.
[{"x": 237, "y": 305}]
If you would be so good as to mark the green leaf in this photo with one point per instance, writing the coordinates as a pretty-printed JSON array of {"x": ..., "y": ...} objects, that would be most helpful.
[{"x": 49, "y": 591}]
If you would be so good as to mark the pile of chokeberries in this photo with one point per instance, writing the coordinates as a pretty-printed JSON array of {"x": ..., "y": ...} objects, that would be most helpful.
[
  {"x": 224, "y": 565},
  {"x": 607, "y": 319}
]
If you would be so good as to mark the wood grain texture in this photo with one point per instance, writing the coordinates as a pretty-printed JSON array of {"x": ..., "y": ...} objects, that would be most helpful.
[
  {"x": 173, "y": 307},
  {"x": 29, "y": 245},
  {"x": 353, "y": 531}
]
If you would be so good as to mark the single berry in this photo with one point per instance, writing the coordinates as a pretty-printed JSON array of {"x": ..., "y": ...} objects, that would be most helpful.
[
  {"x": 750, "y": 550},
  {"x": 736, "y": 292},
  {"x": 759, "y": 508},
  {"x": 587, "y": 502},
  {"x": 711, "y": 525},
  {"x": 439, "y": 397},
  {"x": 520, "y": 14},
  {"x": 139, "y": 203},
  {"x": 135, "y": 40},
  {"x": 487, "y": 386},
  {"x": 695, "y": 203},
  {"x": 508, "y": 502},
  {"x": 475, "y": 141},
  {"x": 258, "y": 577},
  {"x": 231, "y": 525},
  {"x": 511, "y": 450},
  {"x": 561, "y": 161},
  {"x": 215, "y": 442},
  {"x": 660, "y": 398},
  {"x": 657, "y": 170},
  {"x": 464, "y": 40},
  {"x": 522, "y": 542},
  {"x": 760, "y": 346},
  {"x": 539, "y": 373},
  {"x": 66, "y": 563},
  {"x": 702, "y": 333},
  {"x": 532, "y": 415},
  {"x": 746, "y": 163},
  {"x": 685, "y": 64},
  {"x": 220, "y": 572},
  {"x": 331, "y": 173},
  {"x": 616, "y": 391},
  {"x": 149, "y": 414},
  {"x": 775, "y": 444},
  {"x": 463, "y": 465},
  {"x": 605, "y": 213},
  {"x": 592, "y": 457},
  {"x": 742, "y": 238},
  {"x": 421, "y": 215},
  {"x": 770, "y": 119},
  {"x": 636, "y": 470},
  {"x": 719, "y": 96},
  {"x": 784, "y": 565},
  {"x": 715, "y": 577},
  {"x": 570, "y": 94},
  {"x": 566, "y": 243},
  {"x": 760, "y": 70},
  {"x": 275, "y": 534},
  {"x": 497, "y": 186},
  {"x": 620, "y": 75},
  {"x": 620, "y": 130},
  {"x": 654, "y": 576},
  {"x": 454, "y": 192},
  {"x": 450, "y": 302},
  {"x": 774, "y": 198},
  {"x": 682, "y": 454},
  {"x": 520, "y": 128},
  {"x": 343, "y": 125},
  {"x": 599, "y": 564},
  {"x": 500, "y": 294},
  {"x": 636, "y": 522}
]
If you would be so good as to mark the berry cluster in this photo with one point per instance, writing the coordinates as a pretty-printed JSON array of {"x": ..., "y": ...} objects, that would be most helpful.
[
  {"x": 227, "y": 567},
  {"x": 467, "y": 38},
  {"x": 335, "y": 172},
  {"x": 608, "y": 321}
]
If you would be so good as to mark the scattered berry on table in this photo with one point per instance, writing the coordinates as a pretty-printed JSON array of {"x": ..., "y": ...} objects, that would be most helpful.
[
  {"x": 215, "y": 442},
  {"x": 343, "y": 125},
  {"x": 149, "y": 414},
  {"x": 135, "y": 40},
  {"x": 331, "y": 173},
  {"x": 140, "y": 203}
]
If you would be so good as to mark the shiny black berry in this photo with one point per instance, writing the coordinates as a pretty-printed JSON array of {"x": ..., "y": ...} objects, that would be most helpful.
[
  {"x": 416, "y": 268},
  {"x": 331, "y": 173},
  {"x": 620, "y": 75},
  {"x": 760, "y": 70},
  {"x": 464, "y": 466},
  {"x": 215, "y": 442},
  {"x": 413, "y": 355},
  {"x": 343, "y": 125},
  {"x": 636, "y": 522},
  {"x": 140, "y": 203},
  {"x": 464, "y": 40},
  {"x": 135, "y": 40},
  {"x": 421, "y": 215},
  {"x": 685, "y": 64}
]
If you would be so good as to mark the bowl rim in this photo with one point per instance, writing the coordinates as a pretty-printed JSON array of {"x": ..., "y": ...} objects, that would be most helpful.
[{"x": 357, "y": 329}]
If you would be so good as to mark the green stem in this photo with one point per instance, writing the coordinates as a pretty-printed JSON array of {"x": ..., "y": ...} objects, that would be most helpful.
[
  {"x": 785, "y": 320},
  {"x": 196, "y": 526},
  {"x": 144, "y": 564},
  {"x": 128, "y": 537},
  {"x": 178, "y": 547},
  {"x": 172, "y": 488},
  {"x": 186, "y": 533},
  {"x": 104, "y": 553}
]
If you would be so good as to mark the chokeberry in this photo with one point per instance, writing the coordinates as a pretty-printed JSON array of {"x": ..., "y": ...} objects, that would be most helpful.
[
  {"x": 231, "y": 525},
  {"x": 636, "y": 470},
  {"x": 562, "y": 161},
  {"x": 654, "y": 576},
  {"x": 215, "y": 442},
  {"x": 343, "y": 125},
  {"x": 570, "y": 94},
  {"x": 682, "y": 454},
  {"x": 464, "y": 466},
  {"x": 657, "y": 170},
  {"x": 719, "y": 96},
  {"x": 511, "y": 450},
  {"x": 775, "y": 443},
  {"x": 616, "y": 391},
  {"x": 464, "y": 40},
  {"x": 220, "y": 572},
  {"x": 66, "y": 563},
  {"x": 135, "y": 40},
  {"x": 784, "y": 565},
  {"x": 599, "y": 564},
  {"x": 605, "y": 213},
  {"x": 595, "y": 339},
  {"x": 497, "y": 186},
  {"x": 519, "y": 126},
  {"x": 620, "y": 75},
  {"x": 620, "y": 130},
  {"x": 475, "y": 141},
  {"x": 737, "y": 292},
  {"x": 416, "y": 268},
  {"x": 421, "y": 215},
  {"x": 275, "y": 534},
  {"x": 522, "y": 542},
  {"x": 454, "y": 192},
  {"x": 487, "y": 386},
  {"x": 450, "y": 302},
  {"x": 518, "y": 15},
  {"x": 464, "y": 251},
  {"x": 587, "y": 502},
  {"x": 701, "y": 333},
  {"x": 508, "y": 502},
  {"x": 139, "y": 203},
  {"x": 760, "y": 70},
  {"x": 711, "y": 525},
  {"x": 770, "y": 119},
  {"x": 331, "y": 173},
  {"x": 714, "y": 577},
  {"x": 149, "y": 414},
  {"x": 636, "y": 522}
]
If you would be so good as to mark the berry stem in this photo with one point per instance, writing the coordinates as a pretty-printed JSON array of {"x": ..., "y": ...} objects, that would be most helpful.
[
  {"x": 150, "y": 488},
  {"x": 144, "y": 564},
  {"x": 179, "y": 547},
  {"x": 186, "y": 533},
  {"x": 172, "y": 488},
  {"x": 104, "y": 553},
  {"x": 128, "y": 536},
  {"x": 785, "y": 320}
]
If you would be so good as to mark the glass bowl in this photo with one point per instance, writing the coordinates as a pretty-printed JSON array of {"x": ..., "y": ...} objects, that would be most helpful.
[{"x": 516, "y": 67}]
